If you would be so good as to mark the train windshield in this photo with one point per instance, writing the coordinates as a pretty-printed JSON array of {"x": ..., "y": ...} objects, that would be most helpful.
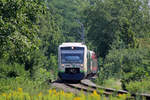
[{"x": 72, "y": 55}]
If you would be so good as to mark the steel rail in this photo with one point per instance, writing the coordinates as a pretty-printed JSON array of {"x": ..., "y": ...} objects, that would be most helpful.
[
  {"x": 85, "y": 87},
  {"x": 145, "y": 95}
]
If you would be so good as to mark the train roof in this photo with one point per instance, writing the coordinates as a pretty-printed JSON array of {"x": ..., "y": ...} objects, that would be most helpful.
[{"x": 76, "y": 44}]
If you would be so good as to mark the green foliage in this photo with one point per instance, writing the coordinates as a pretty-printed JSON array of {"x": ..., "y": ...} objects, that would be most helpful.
[
  {"x": 127, "y": 65},
  {"x": 18, "y": 30},
  {"x": 117, "y": 23},
  {"x": 14, "y": 76},
  {"x": 49, "y": 33},
  {"x": 53, "y": 66},
  {"x": 11, "y": 84},
  {"x": 139, "y": 86},
  {"x": 31, "y": 31},
  {"x": 41, "y": 75},
  {"x": 112, "y": 83},
  {"x": 67, "y": 13},
  {"x": 26, "y": 40},
  {"x": 124, "y": 60},
  {"x": 12, "y": 70},
  {"x": 29, "y": 34}
]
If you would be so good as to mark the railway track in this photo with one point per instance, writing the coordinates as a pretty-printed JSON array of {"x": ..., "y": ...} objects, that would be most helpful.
[
  {"x": 111, "y": 91},
  {"x": 88, "y": 87}
]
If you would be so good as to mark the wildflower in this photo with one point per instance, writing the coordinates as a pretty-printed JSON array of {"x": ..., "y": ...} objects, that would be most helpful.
[
  {"x": 82, "y": 96},
  {"x": 9, "y": 96},
  {"x": 69, "y": 94},
  {"x": 95, "y": 93},
  {"x": 50, "y": 91},
  {"x": 54, "y": 91},
  {"x": 4, "y": 94},
  {"x": 77, "y": 98},
  {"x": 14, "y": 93},
  {"x": 40, "y": 94},
  {"x": 119, "y": 95},
  {"x": 62, "y": 93},
  {"x": 20, "y": 90},
  {"x": 122, "y": 96}
]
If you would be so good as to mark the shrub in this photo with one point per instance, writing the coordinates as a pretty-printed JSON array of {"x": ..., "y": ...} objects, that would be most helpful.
[
  {"x": 112, "y": 83},
  {"x": 139, "y": 86},
  {"x": 12, "y": 70},
  {"x": 127, "y": 65},
  {"x": 13, "y": 76},
  {"x": 41, "y": 75}
]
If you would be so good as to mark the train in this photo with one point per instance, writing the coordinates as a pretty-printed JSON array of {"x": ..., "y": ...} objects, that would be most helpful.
[{"x": 76, "y": 62}]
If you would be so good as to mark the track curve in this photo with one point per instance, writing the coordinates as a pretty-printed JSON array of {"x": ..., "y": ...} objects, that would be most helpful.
[{"x": 88, "y": 86}]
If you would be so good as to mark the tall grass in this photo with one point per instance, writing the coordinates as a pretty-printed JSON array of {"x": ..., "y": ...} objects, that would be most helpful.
[
  {"x": 112, "y": 83},
  {"x": 13, "y": 76},
  {"x": 52, "y": 94}
]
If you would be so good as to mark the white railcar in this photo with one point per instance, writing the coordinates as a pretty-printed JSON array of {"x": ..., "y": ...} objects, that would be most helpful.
[{"x": 73, "y": 61}]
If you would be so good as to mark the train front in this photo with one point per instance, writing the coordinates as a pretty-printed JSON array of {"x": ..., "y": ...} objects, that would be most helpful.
[{"x": 72, "y": 59}]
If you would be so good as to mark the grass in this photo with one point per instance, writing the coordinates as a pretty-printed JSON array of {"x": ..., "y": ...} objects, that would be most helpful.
[
  {"x": 144, "y": 42},
  {"x": 112, "y": 83},
  {"x": 28, "y": 85},
  {"x": 31, "y": 90},
  {"x": 139, "y": 86},
  {"x": 52, "y": 94}
]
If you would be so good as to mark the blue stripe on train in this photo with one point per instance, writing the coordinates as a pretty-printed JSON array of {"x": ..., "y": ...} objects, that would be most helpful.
[{"x": 65, "y": 76}]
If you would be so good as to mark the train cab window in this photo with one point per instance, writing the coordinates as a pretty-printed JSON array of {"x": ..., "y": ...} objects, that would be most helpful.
[{"x": 69, "y": 55}]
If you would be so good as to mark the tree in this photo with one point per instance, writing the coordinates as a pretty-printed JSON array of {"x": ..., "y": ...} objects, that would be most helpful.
[
  {"x": 18, "y": 28},
  {"x": 116, "y": 22},
  {"x": 67, "y": 13},
  {"x": 51, "y": 37},
  {"x": 29, "y": 34}
]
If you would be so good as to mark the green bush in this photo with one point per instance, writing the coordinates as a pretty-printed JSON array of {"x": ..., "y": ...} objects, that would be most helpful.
[
  {"x": 127, "y": 65},
  {"x": 112, "y": 83},
  {"x": 53, "y": 66},
  {"x": 139, "y": 86},
  {"x": 12, "y": 70},
  {"x": 123, "y": 60},
  {"x": 137, "y": 74},
  {"x": 41, "y": 75},
  {"x": 14, "y": 76},
  {"x": 27, "y": 84}
]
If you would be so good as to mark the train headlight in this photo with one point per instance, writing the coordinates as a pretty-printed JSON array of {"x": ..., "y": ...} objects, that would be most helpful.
[
  {"x": 81, "y": 65},
  {"x": 62, "y": 65}
]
